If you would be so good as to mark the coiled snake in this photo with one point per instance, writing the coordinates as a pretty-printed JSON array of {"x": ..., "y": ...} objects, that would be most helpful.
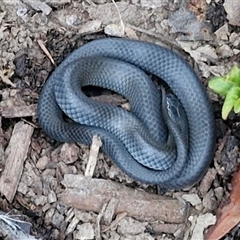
[{"x": 138, "y": 140}]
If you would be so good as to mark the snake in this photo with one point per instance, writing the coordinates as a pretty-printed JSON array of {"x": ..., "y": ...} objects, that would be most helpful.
[{"x": 166, "y": 139}]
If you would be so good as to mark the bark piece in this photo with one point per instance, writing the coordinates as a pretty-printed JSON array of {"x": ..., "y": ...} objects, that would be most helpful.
[
  {"x": 166, "y": 228},
  {"x": 90, "y": 194},
  {"x": 18, "y": 111},
  {"x": 16, "y": 153}
]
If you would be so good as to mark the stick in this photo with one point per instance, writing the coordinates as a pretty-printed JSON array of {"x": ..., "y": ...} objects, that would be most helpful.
[{"x": 90, "y": 194}]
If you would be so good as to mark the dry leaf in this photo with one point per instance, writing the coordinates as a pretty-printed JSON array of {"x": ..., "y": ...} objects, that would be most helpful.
[{"x": 229, "y": 216}]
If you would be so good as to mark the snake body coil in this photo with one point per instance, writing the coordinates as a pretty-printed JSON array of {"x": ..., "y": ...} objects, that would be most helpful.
[{"x": 136, "y": 141}]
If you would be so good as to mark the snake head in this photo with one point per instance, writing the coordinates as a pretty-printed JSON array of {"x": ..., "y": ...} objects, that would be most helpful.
[{"x": 174, "y": 116}]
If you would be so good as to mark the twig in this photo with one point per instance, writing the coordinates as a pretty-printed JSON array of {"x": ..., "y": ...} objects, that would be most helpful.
[
  {"x": 120, "y": 18},
  {"x": 99, "y": 218},
  {"x": 42, "y": 46}
]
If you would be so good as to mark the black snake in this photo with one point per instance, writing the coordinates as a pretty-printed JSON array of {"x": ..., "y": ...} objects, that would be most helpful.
[{"x": 137, "y": 141}]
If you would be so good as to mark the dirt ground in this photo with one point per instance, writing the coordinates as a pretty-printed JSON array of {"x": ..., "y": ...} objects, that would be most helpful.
[{"x": 39, "y": 177}]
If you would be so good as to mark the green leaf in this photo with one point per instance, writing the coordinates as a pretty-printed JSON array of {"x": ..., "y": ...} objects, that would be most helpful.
[
  {"x": 232, "y": 96},
  {"x": 234, "y": 75},
  {"x": 220, "y": 85},
  {"x": 237, "y": 106}
]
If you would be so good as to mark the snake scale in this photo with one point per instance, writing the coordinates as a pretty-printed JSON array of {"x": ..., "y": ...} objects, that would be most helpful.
[{"x": 137, "y": 141}]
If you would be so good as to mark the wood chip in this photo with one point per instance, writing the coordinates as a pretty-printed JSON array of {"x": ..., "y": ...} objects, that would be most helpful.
[
  {"x": 16, "y": 153},
  {"x": 110, "y": 211},
  {"x": 72, "y": 225},
  {"x": 92, "y": 161},
  {"x": 207, "y": 181}
]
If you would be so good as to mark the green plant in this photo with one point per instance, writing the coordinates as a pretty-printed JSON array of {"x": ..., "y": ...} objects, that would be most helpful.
[{"x": 228, "y": 86}]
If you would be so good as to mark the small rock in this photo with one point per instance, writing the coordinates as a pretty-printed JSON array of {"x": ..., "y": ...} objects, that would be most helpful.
[
  {"x": 42, "y": 162},
  {"x": 219, "y": 193},
  {"x": 130, "y": 226},
  {"x": 52, "y": 197},
  {"x": 209, "y": 201},
  {"x": 62, "y": 209},
  {"x": 39, "y": 6},
  {"x": 40, "y": 200},
  {"x": 234, "y": 39},
  {"x": 203, "y": 221},
  {"x": 72, "y": 20},
  {"x": 69, "y": 153},
  {"x": 194, "y": 199},
  {"x": 22, "y": 188},
  {"x": 46, "y": 207},
  {"x": 21, "y": 12},
  {"x": 236, "y": 51},
  {"x": 204, "y": 68},
  {"x": 57, "y": 219},
  {"x": 14, "y": 31},
  {"x": 114, "y": 30},
  {"x": 115, "y": 172},
  {"x": 84, "y": 231},
  {"x": 218, "y": 70},
  {"x": 223, "y": 32},
  {"x": 130, "y": 33},
  {"x": 225, "y": 51},
  {"x": 30, "y": 193},
  {"x": 90, "y": 27},
  {"x": 48, "y": 172},
  {"x": 48, "y": 216},
  {"x": 63, "y": 168},
  {"x": 232, "y": 8}
]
